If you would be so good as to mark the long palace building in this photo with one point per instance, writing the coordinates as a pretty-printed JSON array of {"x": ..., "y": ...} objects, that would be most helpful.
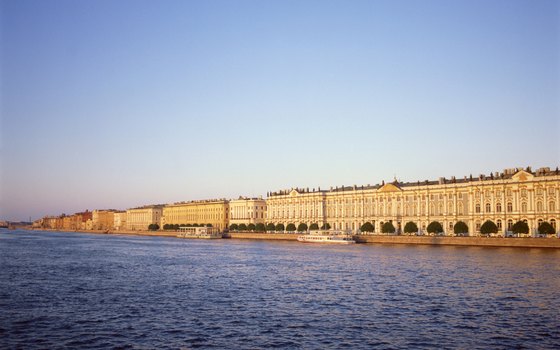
[{"x": 505, "y": 198}]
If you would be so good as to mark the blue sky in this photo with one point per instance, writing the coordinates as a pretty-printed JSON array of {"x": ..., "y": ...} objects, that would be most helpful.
[{"x": 115, "y": 104}]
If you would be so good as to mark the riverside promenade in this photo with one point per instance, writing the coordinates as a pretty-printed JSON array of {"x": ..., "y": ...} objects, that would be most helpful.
[
  {"x": 553, "y": 243},
  {"x": 423, "y": 240}
]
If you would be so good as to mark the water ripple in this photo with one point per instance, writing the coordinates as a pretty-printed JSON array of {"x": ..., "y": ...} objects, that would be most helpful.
[{"x": 63, "y": 290}]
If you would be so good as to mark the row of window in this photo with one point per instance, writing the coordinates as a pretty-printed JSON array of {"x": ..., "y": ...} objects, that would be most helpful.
[
  {"x": 540, "y": 207},
  {"x": 460, "y": 195}
]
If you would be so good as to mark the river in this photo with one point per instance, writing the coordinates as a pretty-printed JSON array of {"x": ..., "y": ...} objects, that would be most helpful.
[{"x": 76, "y": 290}]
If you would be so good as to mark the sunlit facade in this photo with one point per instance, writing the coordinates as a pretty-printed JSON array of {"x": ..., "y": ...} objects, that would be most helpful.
[
  {"x": 119, "y": 220},
  {"x": 505, "y": 198},
  {"x": 204, "y": 212},
  {"x": 141, "y": 218},
  {"x": 247, "y": 211},
  {"x": 102, "y": 219}
]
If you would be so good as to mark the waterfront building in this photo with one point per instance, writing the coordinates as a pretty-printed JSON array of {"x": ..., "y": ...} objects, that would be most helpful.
[
  {"x": 102, "y": 219},
  {"x": 119, "y": 222},
  {"x": 213, "y": 212},
  {"x": 49, "y": 222},
  {"x": 141, "y": 218},
  {"x": 297, "y": 206},
  {"x": 247, "y": 211},
  {"x": 69, "y": 223},
  {"x": 82, "y": 220},
  {"x": 504, "y": 198}
]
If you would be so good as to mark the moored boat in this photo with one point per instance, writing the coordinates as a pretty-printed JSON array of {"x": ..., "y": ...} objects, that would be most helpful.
[
  {"x": 199, "y": 232},
  {"x": 333, "y": 237}
]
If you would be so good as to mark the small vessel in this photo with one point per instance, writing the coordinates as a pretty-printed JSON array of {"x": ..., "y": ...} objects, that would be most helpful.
[
  {"x": 199, "y": 232},
  {"x": 327, "y": 236}
]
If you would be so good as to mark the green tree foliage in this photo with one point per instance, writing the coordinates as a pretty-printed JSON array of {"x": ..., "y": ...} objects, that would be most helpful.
[
  {"x": 153, "y": 227},
  {"x": 388, "y": 227},
  {"x": 167, "y": 227},
  {"x": 520, "y": 227},
  {"x": 410, "y": 227},
  {"x": 434, "y": 227},
  {"x": 367, "y": 227},
  {"x": 326, "y": 226},
  {"x": 546, "y": 229},
  {"x": 291, "y": 228},
  {"x": 208, "y": 225},
  {"x": 460, "y": 227},
  {"x": 488, "y": 227},
  {"x": 251, "y": 227},
  {"x": 176, "y": 227},
  {"x": 270, "y": 227},
  {"x": 233, "y": 227},
  {"x": 242, "y": 227},
  {"x": 280, "y": 227},
  {"x": 314, "y": 226},
  {"x": 260, "y": 227},
  {"x": 302, "y": 227}
]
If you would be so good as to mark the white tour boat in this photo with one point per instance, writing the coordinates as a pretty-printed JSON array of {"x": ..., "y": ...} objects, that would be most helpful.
[
  {"x": 327, "y": 236},
  {"x": 199, "y": 232}
]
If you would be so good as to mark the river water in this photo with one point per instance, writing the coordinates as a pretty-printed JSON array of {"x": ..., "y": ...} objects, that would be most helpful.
[{"x": 74, "y": 290}]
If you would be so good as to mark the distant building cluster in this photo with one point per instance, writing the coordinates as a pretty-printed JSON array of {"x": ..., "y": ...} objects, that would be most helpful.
[{"x": 502, "y": 198}]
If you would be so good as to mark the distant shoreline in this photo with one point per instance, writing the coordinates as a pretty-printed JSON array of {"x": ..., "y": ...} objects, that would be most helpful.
[{"x": 553, "y": 243}]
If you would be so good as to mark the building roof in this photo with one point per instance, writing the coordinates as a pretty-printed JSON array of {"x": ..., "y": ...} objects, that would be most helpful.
[{"x": 512, "y": 173}]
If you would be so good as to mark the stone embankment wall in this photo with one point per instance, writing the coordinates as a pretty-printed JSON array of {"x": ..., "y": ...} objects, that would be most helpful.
[
  {"x": 377, "y": 239},
  {"x": 266, "y": 236},
  {"x": 466, "y": 241},
  {"x": 121, "y": 232}
]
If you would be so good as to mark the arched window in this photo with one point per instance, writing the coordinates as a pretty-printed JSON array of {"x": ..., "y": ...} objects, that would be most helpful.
[
  {"x": 553, "y": 223},
  {"x": 510, "y": 224},
  {"x": 432, "y": 209},
  {"x": 551, "y": 206},
  {"x": 509, "y": 207},
  {"x": 488, "y": 207},
  {"x": 450, "y": 208},
  {"x": 498, "y": 207},
  {"x": 539, "y": 207},
  {"x": 499, "y": 224},
  {"x": 524, "y": 207},
  {"x": 477, "y": 208},
  {"x": 477, "y": 226}
]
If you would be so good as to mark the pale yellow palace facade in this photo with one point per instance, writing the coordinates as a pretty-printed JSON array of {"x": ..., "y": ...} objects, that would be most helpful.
[
  {"x": 140, "y": 218},
  {"x": 204, "y": 212},
  {"x": 505, "y": 198},
  {"x": 247, "y": 211}
]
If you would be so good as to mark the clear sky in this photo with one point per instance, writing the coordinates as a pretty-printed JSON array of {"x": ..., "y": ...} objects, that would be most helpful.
[{"x": 116, "y": 104}]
